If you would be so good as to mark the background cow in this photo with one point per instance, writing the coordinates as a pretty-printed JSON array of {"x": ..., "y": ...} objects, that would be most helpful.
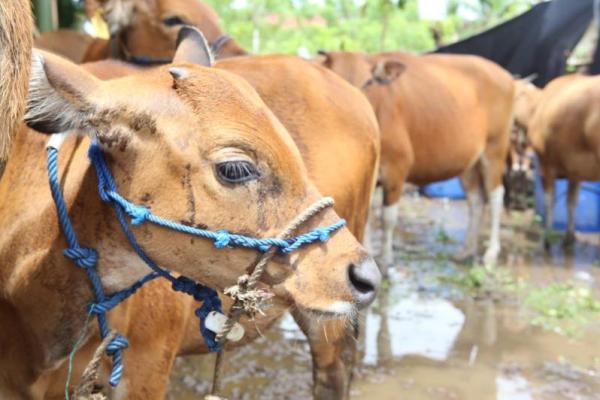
[{"x": 440, "y": 116}]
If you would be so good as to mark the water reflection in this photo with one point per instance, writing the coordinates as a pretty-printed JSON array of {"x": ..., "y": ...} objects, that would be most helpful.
[{"x": 414, "y": 325}]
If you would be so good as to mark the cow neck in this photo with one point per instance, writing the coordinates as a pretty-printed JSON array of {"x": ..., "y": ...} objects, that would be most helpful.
[{"x": 51, "y": 295}]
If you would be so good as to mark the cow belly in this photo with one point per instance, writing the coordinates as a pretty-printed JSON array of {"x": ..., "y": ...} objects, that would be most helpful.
[
  {"x": 580, "y": 165},
  {"x": 444, "y": 163}
]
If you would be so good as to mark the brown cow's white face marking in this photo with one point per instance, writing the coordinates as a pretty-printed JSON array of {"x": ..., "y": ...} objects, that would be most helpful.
[{"x": 200, "y": 147}]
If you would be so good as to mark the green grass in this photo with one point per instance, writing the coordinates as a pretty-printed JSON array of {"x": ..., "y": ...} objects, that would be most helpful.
[
  {"x": 562, "y": 307},
  {"x": 480, "y": 281}
]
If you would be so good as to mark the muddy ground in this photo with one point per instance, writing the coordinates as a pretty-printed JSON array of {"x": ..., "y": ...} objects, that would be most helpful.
[{"x": 527, "y": 329}]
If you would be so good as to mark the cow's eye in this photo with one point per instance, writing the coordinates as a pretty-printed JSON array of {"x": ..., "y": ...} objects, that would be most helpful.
[
  {"x": 173, "y": 21},
  {"x": 237, "y": 171}
]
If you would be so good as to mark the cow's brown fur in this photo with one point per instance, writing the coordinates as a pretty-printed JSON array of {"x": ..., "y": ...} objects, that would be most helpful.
[
  {"x": 302, "y": 101},
  {"x": 440, "y": 116},
  {"x": 70, "y": 44},
  {"x": 563, "y": 126},
  {"x": 16, "y": 37},
  {"x": 43, "y": 294},
  {"x": 139, "y": 26}
]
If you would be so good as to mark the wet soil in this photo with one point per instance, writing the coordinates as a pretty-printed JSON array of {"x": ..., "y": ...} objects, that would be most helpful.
[{"x": 426, "y": 338}]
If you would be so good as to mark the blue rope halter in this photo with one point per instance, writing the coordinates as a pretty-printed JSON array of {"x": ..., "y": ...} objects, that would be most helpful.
[{"x": 87, "y": 257}]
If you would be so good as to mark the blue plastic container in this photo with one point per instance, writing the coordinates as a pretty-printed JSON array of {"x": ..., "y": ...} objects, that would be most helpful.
[
  {"x": 587, "y": 212},
  {"x": 451, "y": 188}
]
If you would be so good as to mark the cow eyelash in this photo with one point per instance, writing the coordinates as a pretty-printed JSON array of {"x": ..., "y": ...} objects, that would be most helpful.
[
  {"x": 173, "y": 21},
  {"x": 237, "y": 172}
]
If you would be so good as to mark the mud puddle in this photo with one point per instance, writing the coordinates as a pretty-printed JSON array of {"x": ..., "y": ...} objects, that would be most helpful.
[{"x": 442, "y": 331}]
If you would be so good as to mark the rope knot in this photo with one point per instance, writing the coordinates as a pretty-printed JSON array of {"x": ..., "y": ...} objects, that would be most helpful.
[
  {"x": 118, "y": 343},
  {"x": 264, "y": 248},
  {"x": 222, "y": 239},
  {"x": 138, "y": 214},
  {"x": 84, "y": 257},
  {"x": 96, "y": 308},
  {"x": 185, "y": 285},
  {"x": 322, "y": 234},
  {"x": 114, "y": 349},
  {"x": 250, "y": 301}
]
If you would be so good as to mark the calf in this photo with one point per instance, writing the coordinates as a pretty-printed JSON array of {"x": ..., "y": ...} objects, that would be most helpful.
[
  {"x": 166, "y": 143},
  {"x": 339, "y": 144}
]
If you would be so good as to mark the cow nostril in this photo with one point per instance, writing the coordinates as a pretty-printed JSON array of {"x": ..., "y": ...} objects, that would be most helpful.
[{"x": 360, "y": 283}]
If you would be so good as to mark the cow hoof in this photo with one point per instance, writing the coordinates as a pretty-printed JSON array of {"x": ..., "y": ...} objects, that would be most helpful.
[
  {"x": 548, "y": 240},
  {"x": 569, "y": 241},
  {"x": 490, "y": 258}
]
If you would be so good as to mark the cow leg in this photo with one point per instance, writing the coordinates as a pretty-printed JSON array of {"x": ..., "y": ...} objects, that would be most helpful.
[
  {"x": 391, "y": 197},
  {"x": 496, "y": 204},
  {"x": 548, "y": 183},
  {"x": 493, "y": 165},
  {"x": 471, "y": 181},
  {"x": 376, "y": 201},
  {"x": 571, "y": 205},
  {"x": 390, "y": 220},
  {"x": 333, "y": 345}
]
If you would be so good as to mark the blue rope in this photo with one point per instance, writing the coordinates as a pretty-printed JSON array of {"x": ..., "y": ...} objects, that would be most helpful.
[
  {"x": 221, "y": 238},
  {"x": 87, "y": 258}
]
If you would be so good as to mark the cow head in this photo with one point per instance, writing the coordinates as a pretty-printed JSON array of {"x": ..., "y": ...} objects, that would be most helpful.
[
  {"x": 148, "y": 28},
  {"x": 197, "y": 145},
  {"x": 362, "y": 70}
]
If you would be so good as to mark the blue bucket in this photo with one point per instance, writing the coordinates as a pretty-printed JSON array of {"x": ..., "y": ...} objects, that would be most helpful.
[
  {"x": 450, "y": 188},
  {"x": 587, "y": 211}
]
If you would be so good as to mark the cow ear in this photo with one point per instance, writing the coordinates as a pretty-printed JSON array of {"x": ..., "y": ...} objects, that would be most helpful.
[
  {"x": 387, "y": 71},
  {"x": 192, "y": 48},
  {"x": 58, "y": 94}
]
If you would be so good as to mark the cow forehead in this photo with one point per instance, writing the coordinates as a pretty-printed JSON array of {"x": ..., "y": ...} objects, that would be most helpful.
[
  {"x": 214, "y": 102},
  {"x": 201, "y": 88}
]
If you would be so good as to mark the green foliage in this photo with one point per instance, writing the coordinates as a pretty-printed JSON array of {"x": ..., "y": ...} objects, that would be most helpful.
[
  {"x": 372, "y": 26},
  {"x": 442, "y": 236},
  {"x": 562, "y": 307},
  {"x": 479, "y": 281}
]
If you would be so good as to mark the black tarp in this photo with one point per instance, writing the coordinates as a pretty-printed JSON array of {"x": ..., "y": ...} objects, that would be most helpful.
[{"x": 536, "y": 42}]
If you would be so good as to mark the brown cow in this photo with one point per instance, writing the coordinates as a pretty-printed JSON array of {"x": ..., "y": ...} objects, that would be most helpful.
[
  {"x": 563, "y": 126},
  {"x": 145, "y": 31},
  {"x": 338, "y": 139},
  {"x": 16, "y": 36},
  {"x": 440, "y": 116},
  {"x": 343, "y": 166},
  {"x": 163, "y": 141}
]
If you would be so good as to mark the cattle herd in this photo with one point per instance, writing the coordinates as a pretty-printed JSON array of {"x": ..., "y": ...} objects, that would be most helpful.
[{"x": 242, "y": 144}]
